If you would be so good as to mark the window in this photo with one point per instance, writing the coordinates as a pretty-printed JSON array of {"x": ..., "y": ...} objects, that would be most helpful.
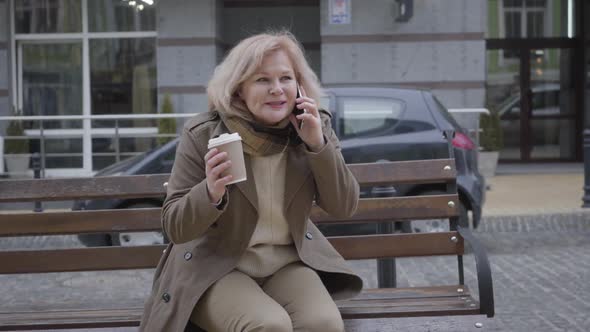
[
  {"x": 48, "y": 16},
  {"x": 523, "y": 19},
  {"x": 117, "y": 15},
  {"x": 369, "y": 117},
  {"x": 513, "y": 24},
  {"x": 118, "y": 38}
]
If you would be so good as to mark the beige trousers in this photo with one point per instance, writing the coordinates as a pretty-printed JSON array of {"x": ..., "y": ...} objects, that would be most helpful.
[{"x": 293, "y": 299}]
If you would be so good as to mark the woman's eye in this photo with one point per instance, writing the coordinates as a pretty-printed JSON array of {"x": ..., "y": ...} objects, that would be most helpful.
[
  {"x": 286, "y": 78},
  {"x": 262, "y": 79}
]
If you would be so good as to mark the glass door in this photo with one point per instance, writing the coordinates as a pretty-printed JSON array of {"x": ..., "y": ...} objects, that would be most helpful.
[
  {"x": 549, "y": 118},
  {"x": 531, "y": 46},
  {"x": 539, "y": 124},
  {"x": 503, "y": 97}
]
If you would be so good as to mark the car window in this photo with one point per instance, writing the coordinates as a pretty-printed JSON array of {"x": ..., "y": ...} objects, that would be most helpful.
[
  {"x": 167, "y": 160},
  {"x": 445, "y": 113},
  {"x": 368, "y": 117},
  {"x": 540, "y": 100},
  {"x": 545, "y": 99},
  {"x": 512, "y": 110}
]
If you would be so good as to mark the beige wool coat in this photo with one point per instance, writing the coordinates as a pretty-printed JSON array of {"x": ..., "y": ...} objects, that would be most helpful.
[{"x": 207, "y": 243}]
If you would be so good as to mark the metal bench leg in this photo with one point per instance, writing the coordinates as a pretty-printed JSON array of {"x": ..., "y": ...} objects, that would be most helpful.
[{"x": 386, "y": 274}]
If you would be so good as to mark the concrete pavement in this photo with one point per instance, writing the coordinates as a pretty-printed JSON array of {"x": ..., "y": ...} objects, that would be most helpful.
[{"x": 535, "y": 189}]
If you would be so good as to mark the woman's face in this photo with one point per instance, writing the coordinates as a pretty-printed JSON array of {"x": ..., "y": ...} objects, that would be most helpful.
[{"x": 270, "y": 93}]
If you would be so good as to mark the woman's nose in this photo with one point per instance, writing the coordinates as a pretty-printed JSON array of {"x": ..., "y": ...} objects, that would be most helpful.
[{"x": 276, "y": 88}]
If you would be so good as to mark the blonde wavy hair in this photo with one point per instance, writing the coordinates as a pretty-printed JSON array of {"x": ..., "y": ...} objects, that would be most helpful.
[{"x": 245, "y": 59}]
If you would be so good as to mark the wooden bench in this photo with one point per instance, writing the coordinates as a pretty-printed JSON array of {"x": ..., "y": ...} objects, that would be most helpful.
[{"x": 450, "y": 297}]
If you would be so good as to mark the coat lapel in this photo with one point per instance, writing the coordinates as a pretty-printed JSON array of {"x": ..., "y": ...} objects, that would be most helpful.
[
  {"x": 248, "y": 187},
  {"x": 297, "y": 172}
]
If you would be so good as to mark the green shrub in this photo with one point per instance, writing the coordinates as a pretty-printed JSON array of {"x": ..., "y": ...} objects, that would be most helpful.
[
  {"x": 16, "y": 146},
  {"x": 166, "y": 125},
  {"x": 490, "y": 138}
]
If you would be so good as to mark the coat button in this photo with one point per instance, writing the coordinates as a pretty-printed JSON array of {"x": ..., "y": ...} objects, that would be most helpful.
[
  {"x": 188, "y": 256},
  {"x": 308, "y": 236},
  {"x": 166, "y": 297}
]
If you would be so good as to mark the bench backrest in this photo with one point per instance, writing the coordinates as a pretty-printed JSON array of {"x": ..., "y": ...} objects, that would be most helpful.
[{"x": 438, "y": 171}]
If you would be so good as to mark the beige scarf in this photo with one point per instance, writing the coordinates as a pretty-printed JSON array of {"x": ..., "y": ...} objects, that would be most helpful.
[{"x": 259, "y": 140}]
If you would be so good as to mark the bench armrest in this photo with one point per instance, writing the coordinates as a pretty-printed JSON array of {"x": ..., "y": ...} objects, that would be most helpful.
[{"x": 484, "y": 272}]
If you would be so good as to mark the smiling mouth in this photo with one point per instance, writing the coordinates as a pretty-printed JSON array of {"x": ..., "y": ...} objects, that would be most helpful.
[{"x": 277, "y": 104}]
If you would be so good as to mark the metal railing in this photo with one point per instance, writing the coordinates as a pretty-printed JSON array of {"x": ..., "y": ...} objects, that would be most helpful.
[{"x": 87, "y": 132}]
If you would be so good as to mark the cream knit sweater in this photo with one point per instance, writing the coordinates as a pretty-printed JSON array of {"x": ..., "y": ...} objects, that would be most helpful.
[{"x": 271, "y": 246}]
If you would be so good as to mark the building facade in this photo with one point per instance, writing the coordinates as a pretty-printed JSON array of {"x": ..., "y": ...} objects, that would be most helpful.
[{"x": 91, "y": 76}]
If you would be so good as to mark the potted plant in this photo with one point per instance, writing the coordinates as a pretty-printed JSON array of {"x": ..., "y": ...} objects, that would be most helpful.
[
  {"x": 490, "y": 141},
  {"x": 166, "y": 126},
  {"x": 16, "y": 150}
]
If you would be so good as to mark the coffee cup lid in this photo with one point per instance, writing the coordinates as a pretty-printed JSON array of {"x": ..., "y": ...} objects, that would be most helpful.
[{"x": 223, "y": 139}]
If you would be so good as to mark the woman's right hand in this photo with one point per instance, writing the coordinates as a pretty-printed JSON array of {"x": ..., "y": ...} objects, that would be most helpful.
[{"x": 216, "y": 163}]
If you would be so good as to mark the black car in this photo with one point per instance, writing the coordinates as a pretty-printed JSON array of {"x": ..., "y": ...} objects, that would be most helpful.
[{"x": 374, "y": 125}]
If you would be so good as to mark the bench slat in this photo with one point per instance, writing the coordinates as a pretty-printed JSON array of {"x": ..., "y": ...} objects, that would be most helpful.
[
  {"x": 70, "y": 319},
  {"x": 412, "y": 171},
  {"x": 83, "y": 188},
  {"x": 395, "y": 209},
  {"x": 414, "y": 292},
  {"x": 398, "y": 245},
  {"x": 73, "y": 260},
  {"x": 132, "y": 186},
  {"x": 443, "y": 309},
  {"x": 444, "y": 301},
  {"x": 104, "y": 221},
  {"x": 367, "y": 306},
  {"x": 75, "y": 222},
  {"x": 140, "y": 257},
  {"x": 415, "y": 301}
]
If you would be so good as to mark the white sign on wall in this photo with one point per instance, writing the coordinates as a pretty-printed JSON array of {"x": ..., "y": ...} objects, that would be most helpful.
[{"x": 339, "y": 11}]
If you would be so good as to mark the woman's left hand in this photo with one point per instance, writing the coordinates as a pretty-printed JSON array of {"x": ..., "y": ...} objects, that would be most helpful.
[{"x": 311, "y": 129}]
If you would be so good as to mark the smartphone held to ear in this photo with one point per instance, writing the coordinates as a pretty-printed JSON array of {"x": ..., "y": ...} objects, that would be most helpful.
[{"x": 297, "y": 111}]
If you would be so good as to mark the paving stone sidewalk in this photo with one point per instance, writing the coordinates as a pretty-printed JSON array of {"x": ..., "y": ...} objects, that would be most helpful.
[{"x": 540, "y": 271}]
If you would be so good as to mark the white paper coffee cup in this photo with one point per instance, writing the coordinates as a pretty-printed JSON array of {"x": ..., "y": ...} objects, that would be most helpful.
[{"x": 232, "y": 144}]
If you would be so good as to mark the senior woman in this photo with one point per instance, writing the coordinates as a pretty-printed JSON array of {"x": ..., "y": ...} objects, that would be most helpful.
[{"x": 246, "y": 256}]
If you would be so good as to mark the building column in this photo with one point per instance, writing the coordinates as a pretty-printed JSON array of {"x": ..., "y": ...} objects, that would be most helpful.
[
  {"x": 187, "y": 51},
  {"x": 440, "y": 47},
  {"x": 5, "y": 78}
]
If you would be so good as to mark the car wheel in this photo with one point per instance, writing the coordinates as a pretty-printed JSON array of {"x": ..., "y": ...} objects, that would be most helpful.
[
  {"x": 435, "y": 225},
  {"x": 126, "y": 239}
]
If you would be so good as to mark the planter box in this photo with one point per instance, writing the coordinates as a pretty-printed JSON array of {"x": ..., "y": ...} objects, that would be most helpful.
[
  {"x": 17, "y": 165},
  {"x": 487, "y": 163}
]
